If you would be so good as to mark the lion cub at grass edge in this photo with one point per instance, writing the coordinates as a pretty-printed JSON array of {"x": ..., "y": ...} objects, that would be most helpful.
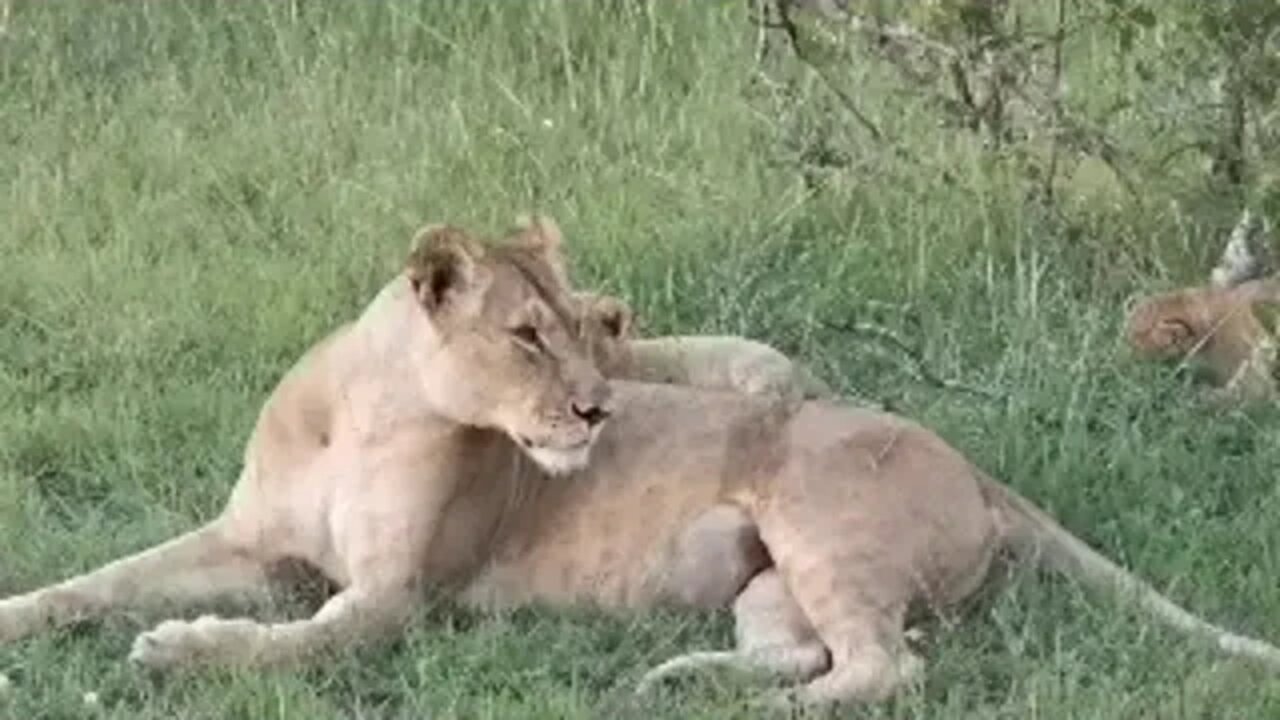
[
  {"x": 1218, "y": 330},
  {"x": 443, "y": 439},
  {"x": 1225, "y": 329}
]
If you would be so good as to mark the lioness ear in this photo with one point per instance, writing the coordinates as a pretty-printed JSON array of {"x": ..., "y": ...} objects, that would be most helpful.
[{"x": 443, "y": 266}]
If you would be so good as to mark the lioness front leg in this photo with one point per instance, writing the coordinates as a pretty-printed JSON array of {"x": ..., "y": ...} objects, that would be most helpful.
[
  {"x": 203, "y": 564},
  {"x": 355, "y": 615},
  {"x": 386, "y": 508}
]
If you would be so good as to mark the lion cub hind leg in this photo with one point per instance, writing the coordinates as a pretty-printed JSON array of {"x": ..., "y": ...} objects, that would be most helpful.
[
  {"x": 855, "y": 602},
  {"x": 773, "y": 637},
  {"x": 867, "y": 671},
  {"x": 869, "y": 660},
  {"x": 200, "y": 565}
]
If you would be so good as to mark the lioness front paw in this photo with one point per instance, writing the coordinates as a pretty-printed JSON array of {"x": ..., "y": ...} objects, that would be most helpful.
[{"x": 209, "y": 639}]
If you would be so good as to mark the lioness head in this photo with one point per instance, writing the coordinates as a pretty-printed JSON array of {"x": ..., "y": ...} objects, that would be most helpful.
[
  {"x": 507, "y": 350},
  {"x": 606, "y": 326}
]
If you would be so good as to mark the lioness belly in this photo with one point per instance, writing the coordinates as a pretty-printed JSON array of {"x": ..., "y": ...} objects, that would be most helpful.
[{"x": 700, "y": 555}]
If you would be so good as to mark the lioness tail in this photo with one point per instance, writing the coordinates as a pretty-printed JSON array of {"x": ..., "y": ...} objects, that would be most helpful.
[{"x": 1031, "y": 531}]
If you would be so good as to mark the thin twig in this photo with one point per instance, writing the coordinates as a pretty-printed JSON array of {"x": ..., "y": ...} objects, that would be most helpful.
[
  {"x": 960, "y": 79},
  {"x": 1180, "y": 149},
  {"x": 1066, "y": 131},
  {"x": 1085, "y": 139},
  {"x": 1056, "y": 100},
  {"x": 919, "y": 368},
  {"x": 788, "y": 26}
]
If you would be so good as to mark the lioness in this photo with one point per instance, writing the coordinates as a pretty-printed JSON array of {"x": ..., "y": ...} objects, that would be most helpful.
[{"x": 443, "y": 438}]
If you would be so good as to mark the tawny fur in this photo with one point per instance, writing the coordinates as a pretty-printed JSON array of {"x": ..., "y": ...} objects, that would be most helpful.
[
  {"x": 1214, "y": 329},
  {"x": 442, "y": 440},
  {"x": 1225, "y": 330}
]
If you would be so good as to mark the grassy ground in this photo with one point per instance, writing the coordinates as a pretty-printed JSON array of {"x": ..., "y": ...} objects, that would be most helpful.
[{"x": 190, "y": 193}]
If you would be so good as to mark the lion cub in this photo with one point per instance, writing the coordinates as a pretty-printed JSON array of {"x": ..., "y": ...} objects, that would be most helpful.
[
  {"x": 1218, "y": 330},
  {"x": 1221, "y": 329},
  {"x": 713, "y": 362}
]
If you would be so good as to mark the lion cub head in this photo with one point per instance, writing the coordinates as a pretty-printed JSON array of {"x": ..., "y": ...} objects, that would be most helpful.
[
  {"x": 1167, "y": 326},
  {"x": 1219, "y": 331},
  {"x": 606, "y": 326},
  {"x": 507, "y": 350}
]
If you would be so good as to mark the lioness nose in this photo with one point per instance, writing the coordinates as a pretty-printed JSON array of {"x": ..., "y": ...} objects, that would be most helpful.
[{"x": 592, "y": 415}]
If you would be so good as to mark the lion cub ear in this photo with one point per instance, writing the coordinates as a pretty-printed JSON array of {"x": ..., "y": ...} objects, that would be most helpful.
[
  {"x": 444, "y": 267},
  {"x": 541, "y": 234},
  {"x": 610, "y": 314},
  {"x": 540, "y": 231},
  {"x": 1174, "y": 333},
  {"x": 614, "y": 315}
]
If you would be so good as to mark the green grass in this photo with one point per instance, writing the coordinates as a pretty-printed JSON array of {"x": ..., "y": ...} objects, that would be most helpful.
[{"x": 191, "y": 193}]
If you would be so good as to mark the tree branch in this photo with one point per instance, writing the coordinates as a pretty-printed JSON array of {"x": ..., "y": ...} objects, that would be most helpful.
[
  {"x": 788, "y": 25},
  {"x": 1056, "y": 100}
]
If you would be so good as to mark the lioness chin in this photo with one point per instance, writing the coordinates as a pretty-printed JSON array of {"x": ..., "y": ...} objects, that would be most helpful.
[{"x": 456, "y": 435}]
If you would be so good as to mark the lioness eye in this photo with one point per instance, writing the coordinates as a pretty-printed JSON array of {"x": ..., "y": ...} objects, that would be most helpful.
[{"x": 527, "y": 334}]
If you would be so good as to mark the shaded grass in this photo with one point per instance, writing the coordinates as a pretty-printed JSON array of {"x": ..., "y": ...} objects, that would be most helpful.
[{"x": 191, "y": 193}]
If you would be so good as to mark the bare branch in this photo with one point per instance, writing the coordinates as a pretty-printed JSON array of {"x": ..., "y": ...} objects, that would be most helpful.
[
  {"x": 919, "y": 368},
  {"x": 1229, "y": 152},
  {"x": 1082, "y": 138},
  {"x": 1056, "y": 101},
  {"x": 792, "y": 31},
  {"x": 960, "y": 80}
]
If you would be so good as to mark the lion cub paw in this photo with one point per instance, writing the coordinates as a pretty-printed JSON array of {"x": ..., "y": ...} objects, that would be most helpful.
[{"x": 176, "y": 643}]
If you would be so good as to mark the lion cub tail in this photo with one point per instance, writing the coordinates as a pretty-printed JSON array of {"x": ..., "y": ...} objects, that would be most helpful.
[{"x": 1030, "y": 531}]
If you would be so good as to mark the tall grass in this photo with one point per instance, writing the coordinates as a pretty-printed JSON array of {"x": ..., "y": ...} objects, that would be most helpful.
[{"x": 191, "y": 193}]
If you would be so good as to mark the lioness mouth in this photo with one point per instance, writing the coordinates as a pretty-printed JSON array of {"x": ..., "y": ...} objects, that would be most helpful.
[{"x": 529, "y": 444}]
